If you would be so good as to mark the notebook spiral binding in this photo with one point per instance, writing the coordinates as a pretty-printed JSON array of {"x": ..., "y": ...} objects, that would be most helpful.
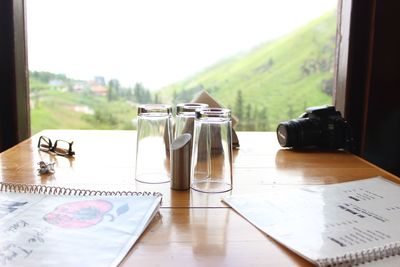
[
  {"x": 56, "y": 190},
  {"x": 357, "y": 258}
]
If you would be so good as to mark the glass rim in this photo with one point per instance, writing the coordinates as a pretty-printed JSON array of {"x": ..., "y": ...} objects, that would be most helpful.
[
  {"x": 189, "y": 107},
  {"x": 146, "y": 109},
  {"x": 213, "y": 113}
]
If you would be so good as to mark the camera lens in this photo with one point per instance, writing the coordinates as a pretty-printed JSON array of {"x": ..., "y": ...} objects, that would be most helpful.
[
  {"x": 298, "y": 133},
  {"x": 285, "y": 135}
]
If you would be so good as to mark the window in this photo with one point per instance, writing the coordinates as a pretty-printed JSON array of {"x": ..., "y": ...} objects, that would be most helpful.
[{"x": 92, "y": 62}]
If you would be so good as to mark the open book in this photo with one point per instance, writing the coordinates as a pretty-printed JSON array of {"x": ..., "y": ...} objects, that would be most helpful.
[
  {"x": 50, "y": 226},
  {"x": 346, "y": 224}
]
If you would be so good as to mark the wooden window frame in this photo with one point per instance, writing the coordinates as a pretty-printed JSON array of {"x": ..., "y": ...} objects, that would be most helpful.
[
  {"x": 354, "y": 50},
  {"x": 14, "y": 89}
]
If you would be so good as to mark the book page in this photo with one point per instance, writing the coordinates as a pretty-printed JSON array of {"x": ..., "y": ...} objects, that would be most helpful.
[
  {"x": 326, "y": 221},
  {"x": 39, "y": 230}
]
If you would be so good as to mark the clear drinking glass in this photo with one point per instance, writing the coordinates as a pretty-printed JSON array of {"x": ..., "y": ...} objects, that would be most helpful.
[
  {"x": 185, "y": 114},
  {"x": 154, "y": 137},
  {"x": 211, "y": 167}
]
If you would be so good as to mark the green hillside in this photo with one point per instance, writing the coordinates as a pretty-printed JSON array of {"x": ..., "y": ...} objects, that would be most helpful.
[{"x": 273, "y": 82}]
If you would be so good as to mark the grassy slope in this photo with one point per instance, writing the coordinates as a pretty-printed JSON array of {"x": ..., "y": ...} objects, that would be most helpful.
[
  {"x": 279, "y": 87},
  {"x": 54, "y": 110}
]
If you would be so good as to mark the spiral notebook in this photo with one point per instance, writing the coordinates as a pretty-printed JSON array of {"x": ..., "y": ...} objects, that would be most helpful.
[
  {"x": 348, "y": 224},
  {"x": 56, "y": 226}
]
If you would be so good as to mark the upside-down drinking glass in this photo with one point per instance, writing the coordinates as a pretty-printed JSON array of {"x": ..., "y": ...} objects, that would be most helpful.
[
  {"x": 154, "y": 137},
  {"x": 211, "y": 167}
]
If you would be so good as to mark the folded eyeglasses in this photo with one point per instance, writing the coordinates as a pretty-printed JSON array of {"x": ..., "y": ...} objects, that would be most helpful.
[{"x": 60, "y": 147}]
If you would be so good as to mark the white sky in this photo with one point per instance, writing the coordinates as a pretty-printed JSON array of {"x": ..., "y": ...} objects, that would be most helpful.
[{"x": 155, "y": 42}]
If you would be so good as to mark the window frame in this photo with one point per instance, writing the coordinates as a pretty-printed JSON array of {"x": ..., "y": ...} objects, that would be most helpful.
[
  {"x": 14, "y": 93},
  {"x": 353, "y": 70}
]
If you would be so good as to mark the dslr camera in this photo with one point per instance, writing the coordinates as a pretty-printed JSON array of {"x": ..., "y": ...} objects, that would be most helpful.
[{"x": 320, "y": 127}]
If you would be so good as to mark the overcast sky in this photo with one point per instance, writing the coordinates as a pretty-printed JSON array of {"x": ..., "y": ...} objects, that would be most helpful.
[{"x": 155, "y": 42}]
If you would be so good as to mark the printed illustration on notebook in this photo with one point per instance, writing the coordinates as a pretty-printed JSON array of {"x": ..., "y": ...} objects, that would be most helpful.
[{"x": 82, "y": 214}]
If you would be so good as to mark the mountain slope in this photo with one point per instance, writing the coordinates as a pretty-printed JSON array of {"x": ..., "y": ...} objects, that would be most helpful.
[{"x": 281, "y": 77}]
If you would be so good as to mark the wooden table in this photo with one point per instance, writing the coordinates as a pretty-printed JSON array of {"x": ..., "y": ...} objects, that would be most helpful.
[{"x": 192, "y": 228}]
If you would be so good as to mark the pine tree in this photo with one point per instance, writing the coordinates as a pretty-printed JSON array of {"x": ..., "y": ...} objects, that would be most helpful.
[
  {"x": 110, "y": 93},
  {"x": 249, "y": 122},
  {"x": 116, "y": 86},
  {"x": 255, "y": 119},
  {"x": 239, "y": 105},
  {"x": 113, "y": 90},
  {"x": 138, "y": 93},
  {"x": 264, "y": 121},
  {"x": 261, "y": 117}
]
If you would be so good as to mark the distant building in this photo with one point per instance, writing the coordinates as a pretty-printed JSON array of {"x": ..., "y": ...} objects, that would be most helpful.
[
  {"x": 100, "y": 80},
  {"x": 98, "y": 89}
]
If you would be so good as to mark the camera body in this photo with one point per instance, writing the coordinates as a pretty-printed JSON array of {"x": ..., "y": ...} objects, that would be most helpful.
[{"x": 321, "y": 127}]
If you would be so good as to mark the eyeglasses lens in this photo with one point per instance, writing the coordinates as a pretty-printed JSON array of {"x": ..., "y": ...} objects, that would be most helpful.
[
  {"x": 44, "y": 143},
  {"x": 62, "y": 147}
]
